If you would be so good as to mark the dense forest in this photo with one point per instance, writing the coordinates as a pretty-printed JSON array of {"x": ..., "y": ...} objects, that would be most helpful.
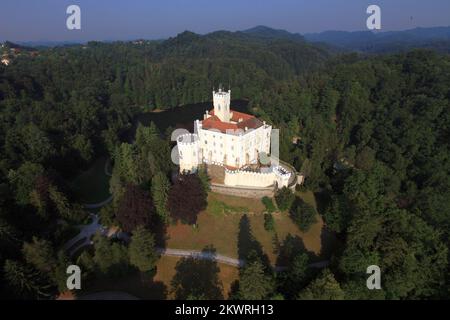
[{"x": 371, "y": 136}]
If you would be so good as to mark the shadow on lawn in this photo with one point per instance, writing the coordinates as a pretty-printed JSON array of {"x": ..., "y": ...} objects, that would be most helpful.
[
  {"x": 197, "y": 279},
  {"x": 248, "y": 247},
  {"x": 137, "y": 284}
]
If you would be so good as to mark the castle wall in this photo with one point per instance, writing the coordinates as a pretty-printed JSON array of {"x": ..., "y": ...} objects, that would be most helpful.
[{"x": 249, "y": 179}]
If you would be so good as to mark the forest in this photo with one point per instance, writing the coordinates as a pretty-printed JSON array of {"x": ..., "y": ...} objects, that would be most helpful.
[{"x": 371, "y": 133}]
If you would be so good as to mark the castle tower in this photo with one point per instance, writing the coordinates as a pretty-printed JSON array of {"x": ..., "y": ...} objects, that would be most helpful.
[
  {"x": 221, "y": 101},
  {"x": 188, "y": 152}
]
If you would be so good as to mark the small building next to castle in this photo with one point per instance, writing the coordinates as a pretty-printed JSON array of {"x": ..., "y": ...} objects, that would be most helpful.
[{"x": 234, "y": 146}]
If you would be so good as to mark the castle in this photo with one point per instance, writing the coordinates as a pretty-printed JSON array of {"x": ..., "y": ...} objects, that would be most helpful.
[{"x": 238, "y": 144}]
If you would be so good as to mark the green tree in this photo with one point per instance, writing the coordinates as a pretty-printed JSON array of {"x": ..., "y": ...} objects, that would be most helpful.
[
  {"x": 160, "y": 194},
  {"x": 303, "y": 215},
  {"x": 142, "y": 250},
  {"x": 40, "y": 254},
  {"x": 108, "y": 215},
  {"x": 25, "y": 281},
  {"x": 23, "y": 180},
  {"x": 284, "y": 198},
  {"x": 254, "y": 283},
  {"x": 324, "y": 287}
]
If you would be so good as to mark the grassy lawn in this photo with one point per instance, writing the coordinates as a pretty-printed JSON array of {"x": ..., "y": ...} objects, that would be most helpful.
[
  {"x": 219, "y": 224},
  {"x": 157, "y": 286},
  {"x": 92, "y": 185}
]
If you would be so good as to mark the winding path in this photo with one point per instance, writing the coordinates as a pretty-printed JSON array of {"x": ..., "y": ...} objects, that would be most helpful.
[
  {"x": 99, "y": 204},
  {"x": 201, "y": 255}
]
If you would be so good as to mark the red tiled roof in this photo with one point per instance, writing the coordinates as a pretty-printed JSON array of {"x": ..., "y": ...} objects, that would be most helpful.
[{"x": 247, "y": 121}]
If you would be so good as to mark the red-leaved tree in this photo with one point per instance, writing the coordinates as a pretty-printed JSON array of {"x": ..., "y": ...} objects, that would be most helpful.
[{"x": 187, "y": 198}]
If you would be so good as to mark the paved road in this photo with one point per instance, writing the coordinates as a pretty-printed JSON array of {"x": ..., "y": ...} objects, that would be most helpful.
[
  {"x": 86, "y": 232},
  {"x": 99, "y": 204},
  {"x": 221, "y": 258},
  {"x": 201, "y": 255}
]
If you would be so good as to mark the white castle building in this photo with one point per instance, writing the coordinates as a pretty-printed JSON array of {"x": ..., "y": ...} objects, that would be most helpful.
[{"x": 235, "y": 142}]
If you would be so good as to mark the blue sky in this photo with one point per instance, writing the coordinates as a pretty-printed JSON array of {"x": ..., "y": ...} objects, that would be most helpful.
[{"x": 36, "y": 20}]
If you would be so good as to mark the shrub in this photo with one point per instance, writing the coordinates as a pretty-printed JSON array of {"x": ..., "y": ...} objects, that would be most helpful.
[{"x": 269, "y": 222}]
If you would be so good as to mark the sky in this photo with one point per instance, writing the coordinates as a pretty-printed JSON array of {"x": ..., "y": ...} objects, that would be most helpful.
[{"x": 45, "y": 20}]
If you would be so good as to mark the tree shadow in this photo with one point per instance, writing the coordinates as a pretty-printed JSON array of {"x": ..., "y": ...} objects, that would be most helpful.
[
  {"x": 323, "y": 199},
  {"x": 137, "y": 284},
  {"x": 198, "y": 279},
  {"x": 331, "y": 244},
  {"x": 249, "y": 248}
]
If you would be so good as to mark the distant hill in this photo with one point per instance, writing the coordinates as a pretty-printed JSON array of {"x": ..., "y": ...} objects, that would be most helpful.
[
  {"x": 269, "y": 33},
  {"x": 382, "y": 42},
  {"x": 274, "y": 51},
  {"x": 11, "y": 45}
]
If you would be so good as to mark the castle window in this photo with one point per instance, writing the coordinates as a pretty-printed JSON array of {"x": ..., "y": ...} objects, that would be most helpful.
[{"x": 206, "y": 141}]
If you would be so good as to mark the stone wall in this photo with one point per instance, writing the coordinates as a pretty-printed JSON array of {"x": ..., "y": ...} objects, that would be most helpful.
[{"x": 246, "y": 192}]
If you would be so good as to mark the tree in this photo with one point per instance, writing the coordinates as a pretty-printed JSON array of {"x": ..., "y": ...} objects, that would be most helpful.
[
  {"x": 40, "y": 254},
  {"x": 23, "y": 179},
  {"x": 292, "y": 279},
  {"x": 110, "y": 258},
  {"x": 160, "y": 194},
  {"x": 187, "y": 198},
  {"x": 40, "y": 196},
  {"x": 135, "y": 209},
  {"x": 68, "y": 211},
  {"x": 254, "y": 283},
  {"x": 284, "y": 198},
  {"x": 84, "y": 147},
  {"x": 303, "y": 215},
  {"x": 324, "y": 287},
  {"x": 107, "y": 215},
  {"x": 142, "y": 250},
  {"x": 103, "y": 257},
  {"x": 60, "y": 270},
  {"x": 25, "y": 281}
]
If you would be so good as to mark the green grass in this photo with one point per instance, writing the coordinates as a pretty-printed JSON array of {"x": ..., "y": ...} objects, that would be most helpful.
[
  {"x": 92, "y": 185},
  {"x": 222, "y": 230},
  {"x": 218, "y": 208}
]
